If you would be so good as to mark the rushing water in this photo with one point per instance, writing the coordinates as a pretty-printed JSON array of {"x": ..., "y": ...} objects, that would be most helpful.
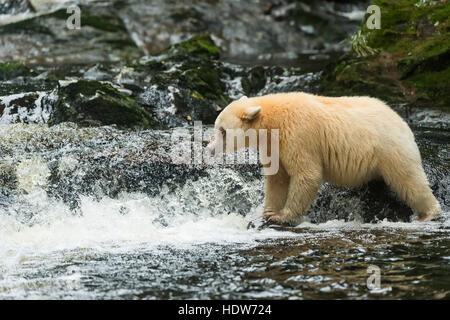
[
  {"x": 101, "y": 213},
  {"x": 84, "y": 216}
]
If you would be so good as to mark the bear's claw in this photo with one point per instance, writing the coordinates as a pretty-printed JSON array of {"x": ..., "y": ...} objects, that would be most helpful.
[
  {"x": 275, "y": 220},
  {"x": 259, "y": 224},
  {"x": 269, "y": 212}
]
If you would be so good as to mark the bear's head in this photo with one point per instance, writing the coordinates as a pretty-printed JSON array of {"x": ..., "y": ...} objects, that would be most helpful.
[{"x": 236, "y": 126}]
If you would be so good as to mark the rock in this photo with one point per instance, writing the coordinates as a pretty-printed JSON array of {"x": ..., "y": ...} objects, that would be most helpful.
[
  {"x": 407, "y": 60},
  {"x": 17, "y": 78},
  {"x": 14, "y": 6},
  {"x": 105, "y": 161},
  {"x": 188, "y": 82},
  {"x": 29, "y": 107},
  {"x": 184, "y": 83},
  {"x": 92, "y": 103},
  {"x": 200, "y": 46},
  {"x": 45, "y": 38},
  {"x": 259, "y": 30}
]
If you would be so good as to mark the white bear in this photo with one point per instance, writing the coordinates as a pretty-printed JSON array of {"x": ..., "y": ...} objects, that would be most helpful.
[{"x": 347, "y": 141}]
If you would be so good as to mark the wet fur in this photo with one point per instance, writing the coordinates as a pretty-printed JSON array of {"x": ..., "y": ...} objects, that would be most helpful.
[{"x": 347, "y": 141}]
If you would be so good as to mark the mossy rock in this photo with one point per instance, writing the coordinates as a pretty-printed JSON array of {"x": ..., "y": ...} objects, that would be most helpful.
[
  {"x": 28, "y": 26},
  {"x": 101, "y": 20},
  {"x": 96, "y": 19},
  {"x": 193, "y": 70},
  {"x": 411, "y": 59},
  {"x": 353, "y": 76},
  {"x": 92, "y": 103},
  {"x": 189, "y": 80},
  {"x": 255, "y": 81},
  {"x": 102, "y": 37},
  {"x": 13, "y": 69},
  {"x": 199, "y": 46}
]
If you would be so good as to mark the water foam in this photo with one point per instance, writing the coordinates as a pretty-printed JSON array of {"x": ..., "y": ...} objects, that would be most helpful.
[{"x": 33, "y": 223}]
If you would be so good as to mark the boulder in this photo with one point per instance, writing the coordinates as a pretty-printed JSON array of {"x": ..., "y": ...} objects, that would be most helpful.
[
  {"x": 92, "y": 103},
  {"x": 406, "y": 60}
]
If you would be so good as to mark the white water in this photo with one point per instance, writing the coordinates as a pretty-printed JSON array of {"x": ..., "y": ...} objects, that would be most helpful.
[
  {"x": 131, "y": 222},
  {"x": 41, "y": 235}
]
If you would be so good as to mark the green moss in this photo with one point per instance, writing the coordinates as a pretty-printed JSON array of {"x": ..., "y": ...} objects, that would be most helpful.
[
  {"x": 104, "y": 22},
  {"x": 197, "y": 95},
  {"x": 430, "y": 55},
  {"x": 404, "y": 25},
  {"x": 90, "y": 88},
  {"x": 13, "y": 69},
  {"x": 434, "y": 86},
  {"x": 183, "y": 15},
  {"x": 193, "y": 66},
  {"x": 95, "y": 103},
  {"x": 200, "y": 46},
  {"x": 204, "y": 80},
  {"x": 412, "y": 60},
  {"x": 29, "y": 26}
]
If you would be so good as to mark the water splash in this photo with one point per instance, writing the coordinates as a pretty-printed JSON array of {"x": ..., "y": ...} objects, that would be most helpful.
[{"x": 79, "y": 202}]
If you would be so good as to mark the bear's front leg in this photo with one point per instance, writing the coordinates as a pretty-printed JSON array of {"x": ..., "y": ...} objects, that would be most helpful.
[
  {"x": 276, "y": 191},
  {"x": 301, "y": 193}
]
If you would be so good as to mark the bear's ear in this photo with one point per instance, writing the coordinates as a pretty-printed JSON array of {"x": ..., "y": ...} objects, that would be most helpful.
[
  {"x": 250, "y": 113},
  {"x": 243, "y": 98}
]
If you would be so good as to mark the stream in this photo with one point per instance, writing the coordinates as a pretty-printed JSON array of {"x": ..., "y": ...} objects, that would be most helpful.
[{"x": 102, "y": 212}]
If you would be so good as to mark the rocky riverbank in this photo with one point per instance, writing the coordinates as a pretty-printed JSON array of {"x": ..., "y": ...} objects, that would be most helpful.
[{"x": 407, "y": 60}]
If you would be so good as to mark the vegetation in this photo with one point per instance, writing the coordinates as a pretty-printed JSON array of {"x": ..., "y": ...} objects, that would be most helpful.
[
  {"x": 94, "y": 103},
  {"x": 406, "y": 60}
]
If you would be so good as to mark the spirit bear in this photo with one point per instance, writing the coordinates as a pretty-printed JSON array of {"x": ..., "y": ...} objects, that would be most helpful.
[{"x": 347, "y": 141}]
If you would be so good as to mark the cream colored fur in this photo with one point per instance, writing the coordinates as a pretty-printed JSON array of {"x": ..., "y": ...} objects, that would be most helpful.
[{"x": 346, "y": 141}]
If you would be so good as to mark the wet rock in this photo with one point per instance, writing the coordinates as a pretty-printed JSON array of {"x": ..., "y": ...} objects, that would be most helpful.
[
  {"x": 104, "y": 161},
  {"x": 92, "y": 103},
  {"x": 407, "y": 60},
  {"x": 262, "y": 30},
  {"x": 30, "y": 107},
  {"x": 26, "y": 85},
  {"x": 14, "y": 6},
  {"x": 188, "y": 82},
  {"x": 46, "y": 39},
  {"x": 184, "y": 83}
]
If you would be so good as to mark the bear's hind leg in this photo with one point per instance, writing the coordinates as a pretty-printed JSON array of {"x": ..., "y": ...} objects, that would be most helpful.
[{"x": 411, "y": 185}]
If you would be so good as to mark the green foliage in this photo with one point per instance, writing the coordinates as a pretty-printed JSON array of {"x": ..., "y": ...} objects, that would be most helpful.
[
  {"x": 200, "y": 46},
  {"x": 9, "y": 70},
  {"x": 412, "y": 60},
  {"x": 100, "y": 21},
  {"x": 358, "y": 45},
  {"x": 433, "y": 86}
]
